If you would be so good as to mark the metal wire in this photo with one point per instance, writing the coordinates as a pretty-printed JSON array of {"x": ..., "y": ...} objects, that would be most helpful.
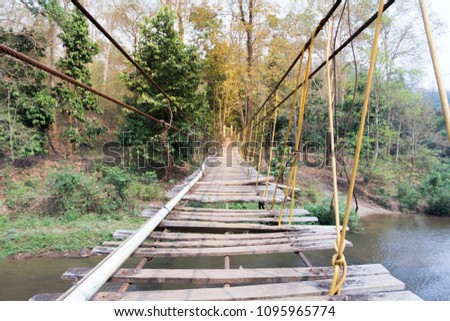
[
  {"x": 22, "y": 57},
  {"x": 305, "y": 47},
  {"x": 130, "y": 59},
  {"x": 337, "y": 51}
]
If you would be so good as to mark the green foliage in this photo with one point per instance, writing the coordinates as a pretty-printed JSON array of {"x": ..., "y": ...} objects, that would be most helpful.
[
  {"x": 28, "y": 111},
  {"x": 21, "y": 194},
  {"x": 109, "y": 192},
  {"x": 436, "y": 186},
  {"x": 75, "y": 194},
  {"x": 117, "y": 177},
  {"x": 325, "y": 215},
  {"x": 79, "y": 52},
  {"x": 30, "y": 234},
  {"x": 176, "y": 68},
  {"x": 407, "y": 196}
]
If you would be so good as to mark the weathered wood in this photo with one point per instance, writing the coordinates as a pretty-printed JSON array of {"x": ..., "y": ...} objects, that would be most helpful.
[
  {"x": 222, "y": 251},
  {"x": 232, "y": 198},
  {"x": 232, "y": 276},
  {"x": 370, "y": 296},
  {"x": 237, "y": 242},
  {"x": 212, "y": 182},
  {"x": 352, "y": 285},
  {"x": 166, "y": 236},
  {"x": 223, "y": 219},
  {"x": 45, "y": 297},
  {"x": 296, "y": 211},
  {"x": 239, "y": 226}
]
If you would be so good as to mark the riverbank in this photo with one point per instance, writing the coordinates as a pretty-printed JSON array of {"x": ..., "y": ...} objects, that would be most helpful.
[{"x": 58, "y": 208}]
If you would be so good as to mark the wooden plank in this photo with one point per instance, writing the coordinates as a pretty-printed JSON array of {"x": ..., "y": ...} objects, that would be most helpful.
[
  {"x": 222, "y": 219},
  {"x": 165, "y": 236},
  {"x": 297, "y": 211},
  {"x": 371, "y": 296},
  {"x": 207, "y": 181},
  {"x": 311, "y": 229},
  {"x": 229, "y": 243},
  {"x": 353, "y": 285},
  {"x": 45, "y": 297},
  {"x": 239, "y": 226},
  {"x": 232, "y": 198},
  {"x": 231, "y": 276},
  {"x": 223, "y": 251}
]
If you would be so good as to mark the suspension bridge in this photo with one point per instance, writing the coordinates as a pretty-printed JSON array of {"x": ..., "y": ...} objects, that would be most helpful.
[
  {"x": 213, "y": 232},
  {"x": 180, "y": 229}
]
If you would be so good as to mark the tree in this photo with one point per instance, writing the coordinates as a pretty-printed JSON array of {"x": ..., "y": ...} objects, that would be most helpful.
[
  {"x": 176, "y": 68},
  {"x": 77, "y": 103},
  {"x": 29, "y": 106}
]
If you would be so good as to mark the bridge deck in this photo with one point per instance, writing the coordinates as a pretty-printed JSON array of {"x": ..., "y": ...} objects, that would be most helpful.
[{"x": 215, "y": 232}]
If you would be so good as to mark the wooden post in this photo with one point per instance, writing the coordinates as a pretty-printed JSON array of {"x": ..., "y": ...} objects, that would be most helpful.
[
  {"x": 224, "y": 131},
  {"x": 227, "y": 267},
  {"x": 231, "y": 131},
  {"x": 437, "y": 70},
  {"x": 304, "y": 259}
]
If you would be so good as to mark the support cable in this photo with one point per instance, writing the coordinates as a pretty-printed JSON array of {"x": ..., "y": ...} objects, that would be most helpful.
[
  {"x": 337, "y": 51},
  {"x": 130, "y": 59},
  {"x": 22, "y": 57}
]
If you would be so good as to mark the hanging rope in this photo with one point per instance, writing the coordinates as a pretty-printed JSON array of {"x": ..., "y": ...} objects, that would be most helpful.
[
  {"x": 363, "y": 27},
  {"x": 331, "y": 130},
  {"x": 288, "y": 131},
  {"x": 272, "y": 140},
  {"x": 338, "y": 260},
  {"x": 261, "y": 148},
  {"x": 301, "y": 114}
]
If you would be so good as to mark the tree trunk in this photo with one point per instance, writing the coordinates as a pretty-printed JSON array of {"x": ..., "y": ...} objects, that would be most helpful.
[
  {"x": 11, "y": 126},
  {"x": 69, "y": 143},
  {"x": 413, "y": 148},
  {"x": 248, "y": 25},
  {"x": 180, "y": 20},
  {"x": 53, "y": 133},
  {"x": 376, "y": 130},
  {"x": 106, "y": 67},
  {"x": 397, "y": 149}
]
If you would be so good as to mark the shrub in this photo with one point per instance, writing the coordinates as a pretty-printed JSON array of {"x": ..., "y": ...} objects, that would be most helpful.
[
  {"x": 75, "y": 194},
  {"x": 436, "y": 187},
  {"x": 118, "y": 177},
  {"x": 21, "y": 195},
  {"x": 407, "y": 196},
  {"x": 325, "y": 215}
]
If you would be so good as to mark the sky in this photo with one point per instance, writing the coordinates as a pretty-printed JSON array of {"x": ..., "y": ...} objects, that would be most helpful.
[{"x": 441, "y": 8}]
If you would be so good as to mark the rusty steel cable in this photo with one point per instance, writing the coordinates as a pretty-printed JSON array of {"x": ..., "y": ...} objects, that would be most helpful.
[
  {"x": 131, "y": 60},
  {"x": 337, "y": 51},
  {"x": 305, "y": 47},
  {"x": 22, "y": 57}
]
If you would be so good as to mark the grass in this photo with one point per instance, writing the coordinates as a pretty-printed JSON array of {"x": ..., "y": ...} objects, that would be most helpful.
[
  {"x": 69, "y": 209},
  {"x": 37, "y": 235}
]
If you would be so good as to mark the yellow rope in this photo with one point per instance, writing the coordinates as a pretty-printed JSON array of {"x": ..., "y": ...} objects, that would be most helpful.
[
  {"x": 288, "y": 130},
  {"x": 261, "y": 146},
  {"x": 331, "y": 129},
  {"x": 338, "y": 260},
  {"x": 301, "y": 115},
  {"x": 272, "y": 139},
  {"x": 293, "y": 170}
]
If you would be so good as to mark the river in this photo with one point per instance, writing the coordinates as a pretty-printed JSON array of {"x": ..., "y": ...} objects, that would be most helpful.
[{"x": 415, "y": 248}]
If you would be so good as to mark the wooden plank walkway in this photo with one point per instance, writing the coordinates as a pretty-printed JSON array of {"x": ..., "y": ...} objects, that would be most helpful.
[
  {"x": 228, "y": 180},
  {"x": 216, "y": 232}
]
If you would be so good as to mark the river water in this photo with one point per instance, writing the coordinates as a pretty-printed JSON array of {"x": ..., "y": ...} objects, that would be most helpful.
[{"x": 414, "y": 248}]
